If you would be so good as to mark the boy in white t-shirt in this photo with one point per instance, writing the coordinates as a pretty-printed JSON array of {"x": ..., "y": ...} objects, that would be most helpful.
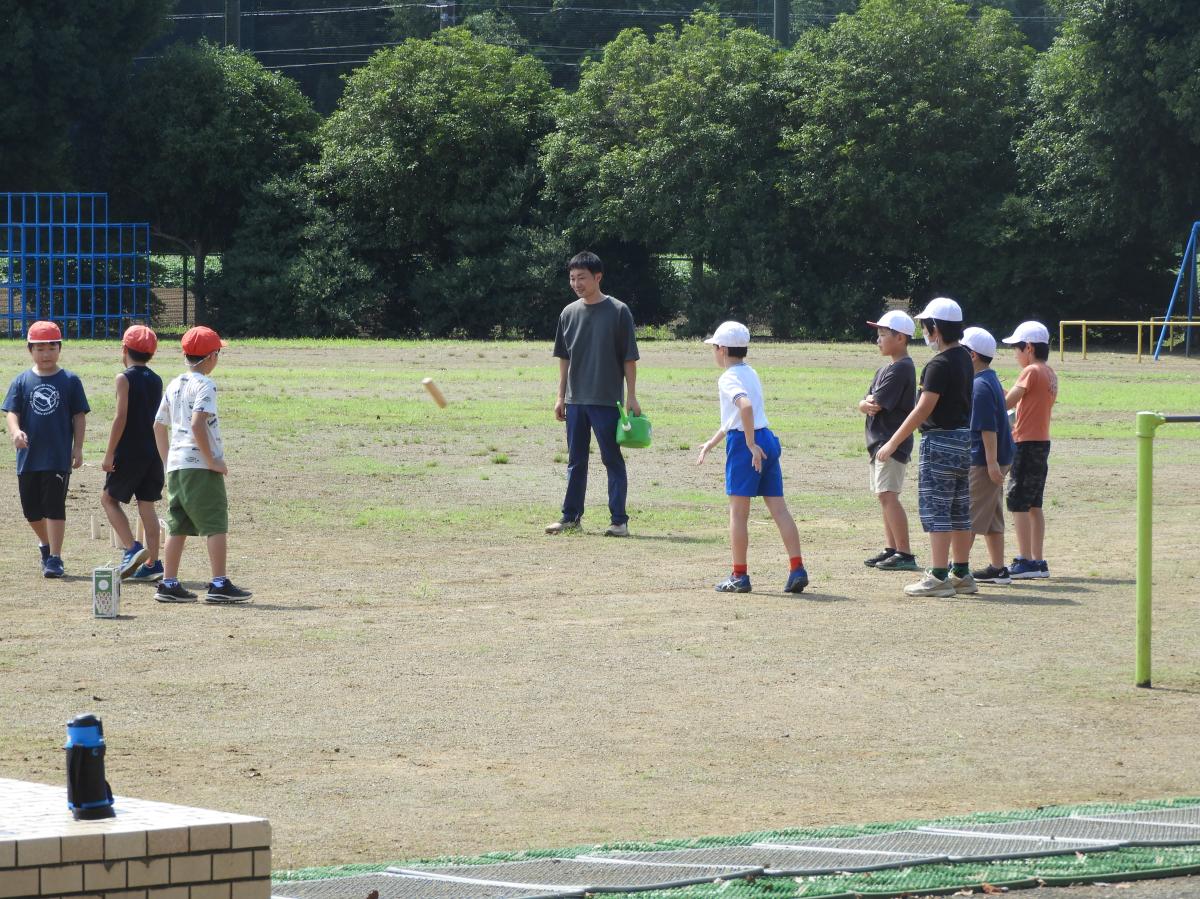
[
  {"x": 189, "y": 441},
  {"x": 751, "y": 459}
]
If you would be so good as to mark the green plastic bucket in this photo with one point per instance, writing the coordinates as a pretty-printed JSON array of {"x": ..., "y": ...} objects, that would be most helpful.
[{"x": 633, "y": 431}]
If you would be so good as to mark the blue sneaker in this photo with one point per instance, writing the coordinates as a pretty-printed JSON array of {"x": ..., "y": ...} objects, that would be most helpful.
[
  {"x": 796, "y": 581},
  {"x": 53, "y": 567},
  {"x": 132, "y": 559},
  {"x": 1043, "y": 568},
  {"x": 735, "y": 583},
  {"x": 44, "y": 549},
  {"x": 1024, "y": 569},
  {"x": 148, "y": 573}
]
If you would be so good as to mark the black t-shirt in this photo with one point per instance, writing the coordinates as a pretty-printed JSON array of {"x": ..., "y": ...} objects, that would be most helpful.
[
  {"x": 951, "y": 376},
  {"x": 895, "y": 390},
  {"x": 137, "y": 440}
]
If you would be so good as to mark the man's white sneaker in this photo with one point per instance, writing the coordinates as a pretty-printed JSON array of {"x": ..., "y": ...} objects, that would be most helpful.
[
  {"x": 931, "y": 586},
  {"x": 617, "y": 530},
  {"x": 565, "y": 526}
]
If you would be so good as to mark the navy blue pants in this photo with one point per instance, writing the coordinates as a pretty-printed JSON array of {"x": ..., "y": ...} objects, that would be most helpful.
[{"x": 581, "y": 422}]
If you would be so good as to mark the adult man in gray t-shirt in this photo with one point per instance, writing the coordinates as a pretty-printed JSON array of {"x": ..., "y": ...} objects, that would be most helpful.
[{"x": 597, "y": 362}]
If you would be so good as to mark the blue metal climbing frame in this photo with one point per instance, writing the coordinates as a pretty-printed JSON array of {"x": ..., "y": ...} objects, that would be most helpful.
[{"x": 62, "y": 260}]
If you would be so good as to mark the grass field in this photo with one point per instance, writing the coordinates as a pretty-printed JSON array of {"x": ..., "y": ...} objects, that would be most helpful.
[{"x": 423, "y": 672}]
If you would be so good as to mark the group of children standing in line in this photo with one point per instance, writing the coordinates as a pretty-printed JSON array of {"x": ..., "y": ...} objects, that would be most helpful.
[
  {"x": 967, "y": 450},
  {"x": 158, "y": 438}
]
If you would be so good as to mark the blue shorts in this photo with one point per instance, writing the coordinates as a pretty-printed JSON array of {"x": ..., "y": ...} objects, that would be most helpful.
[
  {"x": 740, "y": 477},
  {"x": 943, "y": 481}
]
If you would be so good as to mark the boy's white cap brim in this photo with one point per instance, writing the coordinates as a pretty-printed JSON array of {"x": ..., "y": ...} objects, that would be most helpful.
[
  {"x": 943, "y": 309},
  {"x": 1029, "y": 332},
  {"x": 980, "y": 341},
  {"x": 730, "y": 334},
  {"x": 895, "y": 320}
]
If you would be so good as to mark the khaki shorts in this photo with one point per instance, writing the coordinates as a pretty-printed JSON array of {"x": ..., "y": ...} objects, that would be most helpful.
[
  {"x": 196, "y": 503},
  {"x": 987, "y": 501},
  {"x": 887, "y": 477}
]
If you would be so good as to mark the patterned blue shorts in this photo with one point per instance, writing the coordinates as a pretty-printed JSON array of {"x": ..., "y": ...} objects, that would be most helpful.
[{"x": 943, "y": 481}]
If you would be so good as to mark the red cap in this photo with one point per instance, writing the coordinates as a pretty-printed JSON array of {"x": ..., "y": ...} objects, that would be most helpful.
[
  {"x": 42, "y": 332},
  {"x": 140, "y": 339},
  {"x": 200, "y": 341}
]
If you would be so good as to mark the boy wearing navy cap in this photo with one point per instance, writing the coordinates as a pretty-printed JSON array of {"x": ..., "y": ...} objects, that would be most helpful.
[
  {"x": 751, "y": 459},
  {"x": 889, "y": 400},
  {"x": 47, "y": 416},
  {"x": 131, "y": 460},
  {"x": 189, "y": 442}
]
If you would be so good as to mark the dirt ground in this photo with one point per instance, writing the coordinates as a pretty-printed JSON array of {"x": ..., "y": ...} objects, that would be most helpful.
[{"x": 433, "y": 675}]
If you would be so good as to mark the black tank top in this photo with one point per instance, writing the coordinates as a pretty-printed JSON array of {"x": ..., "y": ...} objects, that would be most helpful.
[{"x": 145, "y": 393}]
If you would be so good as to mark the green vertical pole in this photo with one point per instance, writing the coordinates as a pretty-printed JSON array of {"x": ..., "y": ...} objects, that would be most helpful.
[{"x": 1147, "y": 422}]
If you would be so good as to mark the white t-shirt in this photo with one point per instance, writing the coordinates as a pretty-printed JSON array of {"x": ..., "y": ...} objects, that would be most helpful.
[
  {"x": 740, "y": 380},
  {"x": 188, "y": 393}
]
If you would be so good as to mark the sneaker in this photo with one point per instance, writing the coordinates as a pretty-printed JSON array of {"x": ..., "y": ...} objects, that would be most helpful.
[
  {"x": 617, "y": 530},
  {"x": 564, "y": 526},
  {"x": 133, "y": 557},
  {"x": 1023, "y": 569},
  {"x": 964, "y": 584},
  {"x": 53, "y": 567},
  {"x": 931, "y": 586},
  {"x": 899, "y": 562},
  {"x": 797, "y": 581},
  {"x": 735, "y": 583},
  {"x": 1043, "y": 568},
  {"x": 44, "y": 550},
  {"x": 226, "y": 593},
  {"x": 992, "y": 575},
  {"x": 174, "y": 593},
  {"x": 879, "y": 557},
  {"x": 148, "y": 573}
]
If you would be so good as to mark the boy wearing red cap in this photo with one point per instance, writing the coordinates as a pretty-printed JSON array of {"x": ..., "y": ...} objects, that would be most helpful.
[
  {"x": 131, "y": 460},
  {"x": 189, "y": 443},
  {"x": 47, "y": 412}
]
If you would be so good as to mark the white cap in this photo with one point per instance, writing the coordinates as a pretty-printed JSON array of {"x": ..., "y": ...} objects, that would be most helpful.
[
  {"x": 980, "y": 341},
  {"x": 896, "y": 321},
  {"x": 1029, "y": 332},
  {"x": 730, "y": 334},
  {"x": 943, "y": 309}
]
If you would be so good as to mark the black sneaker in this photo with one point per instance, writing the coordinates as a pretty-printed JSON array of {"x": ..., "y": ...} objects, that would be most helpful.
[
  {"x": 227, "y": 593},
  {"x": 174, "y": 593},
  {"x": 993, "y": 575},
  {"x": 878, "y": 557}
]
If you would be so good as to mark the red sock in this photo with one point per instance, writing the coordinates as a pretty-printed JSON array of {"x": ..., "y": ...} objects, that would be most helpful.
[
  {"x": 739, "y": 570},
  {"x": 797, "y": 562}
]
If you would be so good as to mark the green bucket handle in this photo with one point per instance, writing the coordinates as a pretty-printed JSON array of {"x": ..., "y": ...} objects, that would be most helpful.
[{"x": 629, "y": 435}]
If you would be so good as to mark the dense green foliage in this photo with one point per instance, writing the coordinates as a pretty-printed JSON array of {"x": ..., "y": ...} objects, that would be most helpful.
[{"x": 1029, "y": 157}]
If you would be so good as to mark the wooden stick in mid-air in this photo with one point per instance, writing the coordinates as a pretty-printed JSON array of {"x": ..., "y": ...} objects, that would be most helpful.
[{"x": 435, "y": 392}]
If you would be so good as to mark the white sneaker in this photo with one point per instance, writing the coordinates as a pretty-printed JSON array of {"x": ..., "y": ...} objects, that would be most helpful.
[
  {"x": 564, "y": 526},
  {"x": 931, "y": 586},
  {"x": 964, "y": 584},
  {"x": 617, "y": 530}
]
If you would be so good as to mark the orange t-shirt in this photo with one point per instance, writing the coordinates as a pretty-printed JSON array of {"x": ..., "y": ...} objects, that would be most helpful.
[{"x": 1033, "y": 410}]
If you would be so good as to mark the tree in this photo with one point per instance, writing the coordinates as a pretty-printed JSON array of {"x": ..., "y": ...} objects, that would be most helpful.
[
  {"x": 198, "y": 130},
  {"x": 670, "y": 144},
  {"x": 431, "y": 158},
  {"x": 900, "y": 136},
  {"x": 1110, "y": 153},
  {"x": 58, "y": 63},
  {"x": 290, "y": 272}
]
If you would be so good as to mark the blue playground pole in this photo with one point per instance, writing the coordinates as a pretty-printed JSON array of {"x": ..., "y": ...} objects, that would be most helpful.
[{"x": 1188, "y": 264}]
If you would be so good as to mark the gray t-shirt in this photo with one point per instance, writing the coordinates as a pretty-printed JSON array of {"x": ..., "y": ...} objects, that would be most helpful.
[{"x": 598, "y": 340}]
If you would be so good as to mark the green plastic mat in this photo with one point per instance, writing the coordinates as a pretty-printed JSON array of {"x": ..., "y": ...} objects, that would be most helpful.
[{"x": 1133, "y": 863}]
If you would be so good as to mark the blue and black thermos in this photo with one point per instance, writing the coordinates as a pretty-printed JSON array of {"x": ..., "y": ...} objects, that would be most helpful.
[{"x": 88, "y": 795}]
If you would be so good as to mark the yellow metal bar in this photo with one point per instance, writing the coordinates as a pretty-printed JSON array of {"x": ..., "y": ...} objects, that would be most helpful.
[
  {"x": 1061, "y": 350},
  {"x": 1139, "y": 330},
  {"x": 1083, "y": 332}
]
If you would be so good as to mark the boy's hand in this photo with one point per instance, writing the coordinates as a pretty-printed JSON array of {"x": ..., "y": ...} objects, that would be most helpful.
[
  {"x": 756, "y": 457},
  {"x": 703, "y": 453},
  {"x": 995, "y": 473},
  {"x": 868, "y": 406},
  {"x": 77, "y": 457},
  {"x": 219, "y": 466},
  {"x": 560, "y": 409},
  {"x": 20, "y": 440},
  {"x": 107, "y": 463},
  {"x": 634, "y": 407},
  {"x": 884, "y": 452}
]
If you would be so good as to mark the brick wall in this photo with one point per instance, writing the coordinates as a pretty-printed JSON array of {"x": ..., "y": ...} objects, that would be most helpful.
[{"x": 150, "y": 850}]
